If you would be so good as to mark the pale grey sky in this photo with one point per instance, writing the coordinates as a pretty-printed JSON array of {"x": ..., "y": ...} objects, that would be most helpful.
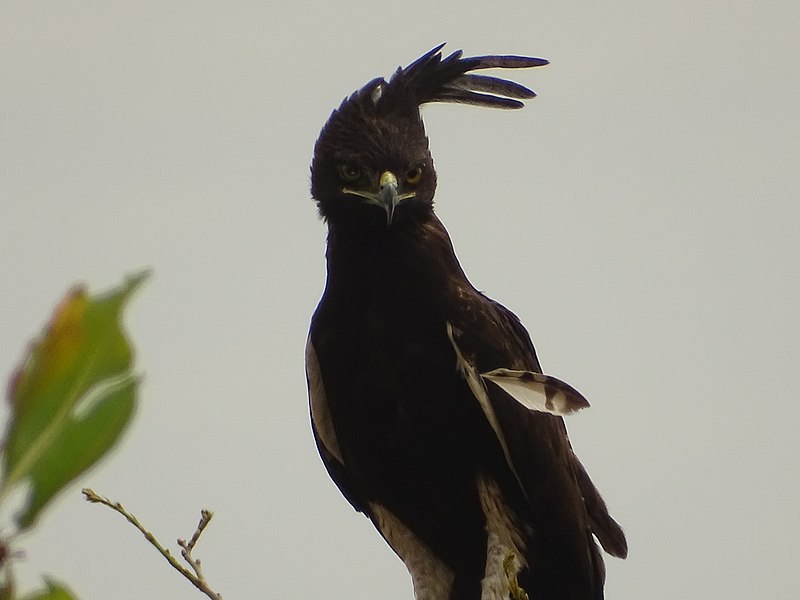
[{"x": 640, "y": 216}]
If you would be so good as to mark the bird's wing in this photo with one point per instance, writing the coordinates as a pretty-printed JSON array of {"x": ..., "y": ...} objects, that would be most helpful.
[
  {"x": 604, "y": 527},
  {"x": 524, "y": 408},
  {"x": 324, "y": 433}
]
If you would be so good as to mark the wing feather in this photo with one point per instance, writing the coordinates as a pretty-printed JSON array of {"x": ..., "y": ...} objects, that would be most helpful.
[
  {"x": 323, "y": 430},
  {"x": 524, "y": 408},
  {"x": 537, "y": 391}
]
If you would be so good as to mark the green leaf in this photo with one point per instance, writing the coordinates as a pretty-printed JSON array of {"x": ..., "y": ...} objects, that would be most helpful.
[
  {"x": 54, "y": 591},
  {"x": 71, "y": 398},
  {"x": 7, "y": 590}
]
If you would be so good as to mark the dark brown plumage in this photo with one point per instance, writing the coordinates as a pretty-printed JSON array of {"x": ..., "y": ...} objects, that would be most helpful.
[{"x": 428, "y": 403}]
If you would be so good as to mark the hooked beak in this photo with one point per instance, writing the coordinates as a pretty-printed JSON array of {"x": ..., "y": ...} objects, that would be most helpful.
[{"x": 387, "y": 197}]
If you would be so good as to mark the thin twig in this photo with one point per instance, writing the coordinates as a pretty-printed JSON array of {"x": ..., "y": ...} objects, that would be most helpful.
[
  {"x": 205, "y": 518},
  {"x": 197, "y": 578},
  {"x": 186, "y": 552}
]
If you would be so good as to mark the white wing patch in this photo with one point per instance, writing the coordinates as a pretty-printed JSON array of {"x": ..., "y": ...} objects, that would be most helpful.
[
  {"x": 537, "y": 391},
  {"x": 320, "y": 413},
  {"x": 534, "y": 391},
  {"x": 432, "y": 579}
]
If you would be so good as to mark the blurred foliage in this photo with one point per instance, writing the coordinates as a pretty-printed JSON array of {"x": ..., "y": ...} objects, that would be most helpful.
[
  {"x": 70, "y": 400},
  {"x": 53, "y": 591}
]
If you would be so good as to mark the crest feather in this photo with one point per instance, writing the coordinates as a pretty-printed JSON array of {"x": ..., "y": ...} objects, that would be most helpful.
[{"x": 434, "y": 78}]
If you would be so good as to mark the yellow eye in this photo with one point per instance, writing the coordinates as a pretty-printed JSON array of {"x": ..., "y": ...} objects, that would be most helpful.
[
  {"x": 414, "y": 176},
  {"x": 349, "y": 172}
]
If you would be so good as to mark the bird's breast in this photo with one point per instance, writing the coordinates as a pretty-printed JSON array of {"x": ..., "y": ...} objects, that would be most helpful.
[{"x": 399, "y": 406}]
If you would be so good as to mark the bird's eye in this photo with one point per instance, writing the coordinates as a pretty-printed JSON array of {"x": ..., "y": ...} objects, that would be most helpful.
[
  {"x": 413, "y": 176},
  {"x": 349, "y": 172}
]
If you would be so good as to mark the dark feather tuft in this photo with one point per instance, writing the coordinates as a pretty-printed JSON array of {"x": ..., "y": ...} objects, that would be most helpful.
[{"x": 432, "y": 78}]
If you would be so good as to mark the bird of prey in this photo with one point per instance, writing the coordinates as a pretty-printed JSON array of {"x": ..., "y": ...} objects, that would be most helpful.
[{"x": 428, "y": 404}]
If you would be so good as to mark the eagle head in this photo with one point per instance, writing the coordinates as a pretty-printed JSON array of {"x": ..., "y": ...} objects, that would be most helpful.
[{"x": 372, "y": 160}]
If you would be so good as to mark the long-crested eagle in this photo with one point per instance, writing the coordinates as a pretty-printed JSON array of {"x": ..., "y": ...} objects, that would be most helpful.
[{"x": 428, "y": 404}]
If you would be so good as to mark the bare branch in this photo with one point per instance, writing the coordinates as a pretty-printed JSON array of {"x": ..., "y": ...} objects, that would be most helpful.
[{"x": 196, "y": 577}]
